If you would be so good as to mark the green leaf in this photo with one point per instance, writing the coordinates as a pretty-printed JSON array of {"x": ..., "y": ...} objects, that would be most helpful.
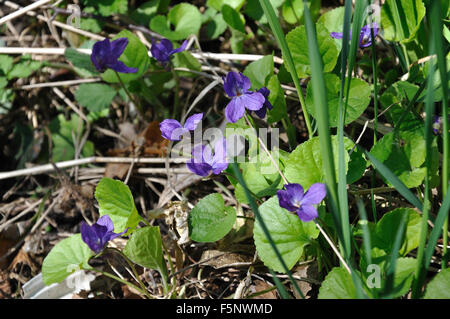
[
  {"x": 439, "y": 287},
  {"x": 185, "y": 59},
  {"x": 6, "y": 99},
  {"x": 359, "y": 99},
  {"x": 3, "y": 82},
  {"x": 338, "y": 284},
  {"x": 91, "y": 24},
  {"x": 210, "y": 220},
  {"x": 115, "y": 199},
  {"x": 394, "y": 100},
  {"x": 404, "y": 274},
  {"x": 185, "y": 18},
  {"x": 400, "y": 19},
  {"x": 305, "y": 164},
  {"x": 218, "y": 4},
  {"x": 145, "y": 248},
  {"x": 233, "y": 18},
  {"x": 254, "y": 10},
  {"x": 404, "y": 155},
  {"x": 134, "y": 56},
  {"x": 81, "y": 62},
  {"x": 237, "y": 41},
  {"x": 386, "y": 230},
  {"x": 145, "y": 12},
  {"x": 277, "y": 99},
  {"x": 216, "y": 26},
  {"x": 395, "y": 181},
  {"x": 109, "y": 7},
  {"x": 62, "y": 140},
  {"x": 333, "y": 20},
  {"x": 259, "y": 71},
  {"x": 24, "y": 68},
  {"x": 69, "y": 255},
  {"x": 6, "y": 63},
  {"x": 257, "y": 182},
  {"x": 298, "y": 45},
  {"x": 292, "y": 10},
  {"x": 288, "y": 232},
  {"x": 95, "y": 96}
]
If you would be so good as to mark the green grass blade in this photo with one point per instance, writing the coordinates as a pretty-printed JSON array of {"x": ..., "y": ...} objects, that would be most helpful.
[
  {"x": 437, "y": 229},
  {"x": 351, "y": 56},
  {"x": 366, "y": 232},
  {"x": 393, "y": 179},
  {"x": 429, "y": 110},
  {"x": 438, "y": 42},
  {"x": 281, "y": 290},
  {"x": 279, "y": 35},
  {"x": 375, "y": 86},
  {"x": 342, "y": 176},
  {"x": 321, "y": 106},
  {"x": 389, "y": 285},
  {"x": 254, "y": 207},
  {"x": 366, "y": 236}
]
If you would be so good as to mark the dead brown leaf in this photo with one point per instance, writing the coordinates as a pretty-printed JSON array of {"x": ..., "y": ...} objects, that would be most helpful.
[
  {"x": 116, "y": 170},
  {"x": 258, "y": 286},
  {"x": 219, "y": 259},
  {"x": 310, "y": 273}
]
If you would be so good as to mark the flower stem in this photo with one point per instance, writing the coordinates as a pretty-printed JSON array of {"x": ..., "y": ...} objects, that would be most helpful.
[
  {"x": 176, "y": 98},
  {"x": 107, "y": 274},
  {"x": 267, "y": 152},
  {"x": 172, "y": 269},
  {"x": 333, "y": 246},
  {"x": 136, "y": 102},
  {"x": 130, "y": 263}
]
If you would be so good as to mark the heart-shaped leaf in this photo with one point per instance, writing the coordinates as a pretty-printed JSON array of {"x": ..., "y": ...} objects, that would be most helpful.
[
  {"x": 359, "y": 99},
  {"x": 233, "y": 18},
  {"x": 115, "y": 199},
  {"x": 69, "y": 255},
  {"x": 95, "y": 96},
  {"x": 288, "y": 232},
  {"x": 298, "y": 45},
  {"x": 305, "y": 166},
  {"x": 185, "y": 18},
  {"x": 338, "y": 284},
  {"x": 210, "y": 220},
  {"x": 145, "y": 248},
  {"x": 439, "y": 287}
]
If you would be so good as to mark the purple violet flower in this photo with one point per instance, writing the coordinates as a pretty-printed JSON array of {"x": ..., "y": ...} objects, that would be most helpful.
[
  {"x": 267, "y": 105},
  {"x": 203, "y": 162},
  {"x": 173, "y": 130},
  {"x": 365, "y": 39},
  {"x": 437, "y": 124},
  {"x": 237, "y": 87},
  {"x": 105, "y": 55},
  {"x": 98, "y": 235},
  {"x": 294, "y": 199},
  {"x": 163, "y": 50}
]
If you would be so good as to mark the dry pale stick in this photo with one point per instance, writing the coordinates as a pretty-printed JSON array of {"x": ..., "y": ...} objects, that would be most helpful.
[
  {"x": 24, "y": 10},
  {"x": 208, "y": 55},
  {"x": 57, "y": 23},
  {"x": 58, "y": 83},
  {"x": 41, "y": 169}
]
